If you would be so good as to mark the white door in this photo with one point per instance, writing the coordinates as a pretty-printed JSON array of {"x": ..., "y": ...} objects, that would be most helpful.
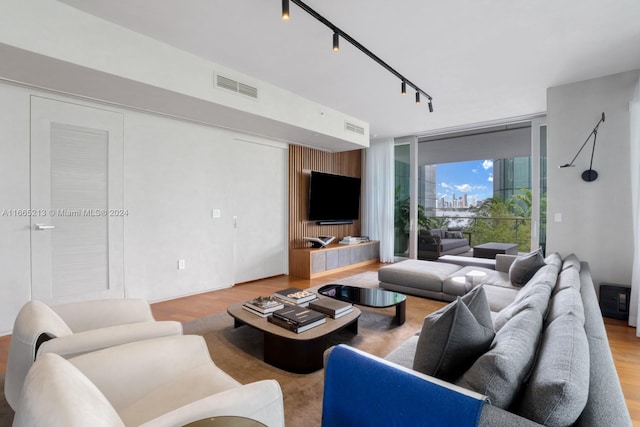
[
  {"x": 260, "y": 210},
  {"x": 76, "y": 200}
]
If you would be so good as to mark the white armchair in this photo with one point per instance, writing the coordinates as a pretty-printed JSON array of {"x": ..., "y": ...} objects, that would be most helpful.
[
  {"x": 169, "y": 381},
  {"x": 74, "y": 329}
]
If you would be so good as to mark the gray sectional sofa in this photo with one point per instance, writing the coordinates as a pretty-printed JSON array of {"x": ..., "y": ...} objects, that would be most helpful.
[
  {"x": 445, "y": 280},
  {"x": 549, "y": 362}
]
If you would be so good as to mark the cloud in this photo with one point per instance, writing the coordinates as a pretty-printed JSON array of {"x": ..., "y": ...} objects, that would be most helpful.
[
  {"x": 465, "y": 188},
  {"x": 444, "y": 185},
  {"x": 487, "y": 164},
  {"x": 490, "y": 179},
  {"x": 474, "y": 170}
]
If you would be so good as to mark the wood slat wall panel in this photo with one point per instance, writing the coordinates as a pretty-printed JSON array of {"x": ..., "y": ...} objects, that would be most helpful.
[{"x": 302, "y": 161}]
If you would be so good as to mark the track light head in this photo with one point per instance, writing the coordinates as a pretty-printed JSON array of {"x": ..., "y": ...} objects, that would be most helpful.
[
  {"x": 417, "y": 97},
  {"x": 430, "y": 106},
  {"x": 285, "y": 10},
  {"x": 336, "y": 42},
  {"x": 403, "y": 88}
]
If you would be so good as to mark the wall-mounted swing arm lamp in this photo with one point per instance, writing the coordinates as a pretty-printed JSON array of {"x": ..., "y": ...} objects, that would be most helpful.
[
  {"x": 589, "y": 175},
  {"x": 338, "y": 34}
]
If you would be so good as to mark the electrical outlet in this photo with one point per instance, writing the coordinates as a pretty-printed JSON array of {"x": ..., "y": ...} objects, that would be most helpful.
[
  {"x": 182, "y": 264},
  {"x": 215, "y": 213}
]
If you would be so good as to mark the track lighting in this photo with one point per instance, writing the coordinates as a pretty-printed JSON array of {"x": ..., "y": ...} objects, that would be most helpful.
[{"x": 338, "y": 33}]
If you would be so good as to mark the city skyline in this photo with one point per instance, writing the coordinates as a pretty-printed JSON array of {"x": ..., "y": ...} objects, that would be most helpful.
[{"x": 468, "y": 182}]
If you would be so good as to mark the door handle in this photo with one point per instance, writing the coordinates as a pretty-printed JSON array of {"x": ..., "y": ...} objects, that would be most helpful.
[{"x": 41, "y": 227}]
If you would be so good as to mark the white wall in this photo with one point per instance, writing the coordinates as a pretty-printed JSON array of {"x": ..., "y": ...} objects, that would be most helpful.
[
  {"x": 596, "y": 216},
  {"x": 175, "y": 173},
  {"x": 15, "y": 251},
  {"x": 56, "y": 30}
]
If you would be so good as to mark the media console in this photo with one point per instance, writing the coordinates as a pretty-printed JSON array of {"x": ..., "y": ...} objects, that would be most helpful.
[{"x": 311, "y": 263}]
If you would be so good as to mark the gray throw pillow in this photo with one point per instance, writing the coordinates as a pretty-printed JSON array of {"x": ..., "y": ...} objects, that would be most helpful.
[
  {"x": 525, "y": 266},
  {"x": 453, "y": 234},
  {"x": 501, "y": 371},
  {"x": 453, "y": 337}
]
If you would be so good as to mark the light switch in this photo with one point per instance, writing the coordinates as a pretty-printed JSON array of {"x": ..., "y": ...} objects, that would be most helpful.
[
  {"x": 182, "y": 264},
  {"x": 557, "y": 217},
  {"x": 216, "y": 213}
]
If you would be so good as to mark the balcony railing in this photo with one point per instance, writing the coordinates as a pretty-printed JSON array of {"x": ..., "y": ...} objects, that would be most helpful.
[{"x": 491, "y": 229}]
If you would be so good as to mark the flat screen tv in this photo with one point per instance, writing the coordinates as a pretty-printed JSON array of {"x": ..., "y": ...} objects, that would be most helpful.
[{"x": 333, "y": 198}]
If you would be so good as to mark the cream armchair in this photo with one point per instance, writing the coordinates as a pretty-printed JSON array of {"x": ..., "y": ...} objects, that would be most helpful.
[
  {"x": 169, "y": 381},
  {"x": 74, "y": 329}
]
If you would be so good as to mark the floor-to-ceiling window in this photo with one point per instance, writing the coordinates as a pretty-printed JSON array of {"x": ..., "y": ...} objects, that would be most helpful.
[
  {"x": 501, "y": 175},
  {"x": 402, "y": 200}
]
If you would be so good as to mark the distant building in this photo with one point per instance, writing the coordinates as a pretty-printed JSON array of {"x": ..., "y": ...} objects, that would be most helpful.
[{"x": 509, "y": 175}]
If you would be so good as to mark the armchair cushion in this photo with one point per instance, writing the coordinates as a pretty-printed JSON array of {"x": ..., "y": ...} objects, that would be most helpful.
[
  {"x": 166, "y": 381},
  {"x": 56, "y": 394}
]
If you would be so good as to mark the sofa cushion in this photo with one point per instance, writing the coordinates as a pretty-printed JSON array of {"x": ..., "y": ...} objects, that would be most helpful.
[
  {"x": 424, "y": 275},
  {"x": 450, "y": 244},
  {"x": 501, "y": 371},
  {"x": 568, "y": 278},
  {"x": 565, "y": 301},
  {"x": 571, "y": 261},
  {"x": 525, "y": 266},
  {"x": 554, "y": 259},
  {"x": 536, "y": 297},
  {"x": 453, "y": 337},
  {"x": 559, "y": 386},
  {"x": 499, "y": 297},
  {"x": 437, "y": 232},
  {"x": 457, "y": 283}
]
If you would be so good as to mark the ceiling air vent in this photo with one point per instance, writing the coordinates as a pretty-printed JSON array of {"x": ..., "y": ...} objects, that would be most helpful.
[
  {"x": 351, "y": 127},
  {"x": 235, "y": 86}
]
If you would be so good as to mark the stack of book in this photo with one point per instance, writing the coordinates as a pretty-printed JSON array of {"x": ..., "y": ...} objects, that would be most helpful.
[
  {"x": 297, "y": 319},
  {"x": 263, "y": 306},
  {"x": 331, "y": 307},
  {"x": 296, "y": 296},
  {"x": 349, "y": 240}
]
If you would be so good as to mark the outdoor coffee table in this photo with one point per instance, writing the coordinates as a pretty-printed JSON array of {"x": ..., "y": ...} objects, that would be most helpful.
[
  {"x": 300, "y": 353},
  {"x": 368, "y": 297},
  {"x": 491, "y": 249}
]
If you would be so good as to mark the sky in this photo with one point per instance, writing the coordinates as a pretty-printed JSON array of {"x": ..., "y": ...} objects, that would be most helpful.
[{"x": 474, "y": 178}]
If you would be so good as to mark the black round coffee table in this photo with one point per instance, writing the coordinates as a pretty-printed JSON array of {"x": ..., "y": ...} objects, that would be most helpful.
[{"x": 368, "y": 297}]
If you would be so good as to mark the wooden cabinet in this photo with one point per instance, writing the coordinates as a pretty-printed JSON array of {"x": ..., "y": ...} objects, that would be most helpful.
[{"x": 311, "y": 263}]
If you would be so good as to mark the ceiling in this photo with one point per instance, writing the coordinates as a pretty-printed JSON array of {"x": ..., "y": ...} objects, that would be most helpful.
[{"x": 481, "y": 61}]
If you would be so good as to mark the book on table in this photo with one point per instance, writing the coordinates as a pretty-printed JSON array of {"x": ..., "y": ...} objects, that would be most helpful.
[
  {"x": 252, "y": 311},
  {"x": 297, "y": 319},
  {"x": 295, "y": 295},
  {"x": 331, "y": 307},
  {"x": 264, "y": 304}
]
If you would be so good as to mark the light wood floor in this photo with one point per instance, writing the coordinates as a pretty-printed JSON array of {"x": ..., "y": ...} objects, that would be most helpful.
[{"x": 625, "y": 346}]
